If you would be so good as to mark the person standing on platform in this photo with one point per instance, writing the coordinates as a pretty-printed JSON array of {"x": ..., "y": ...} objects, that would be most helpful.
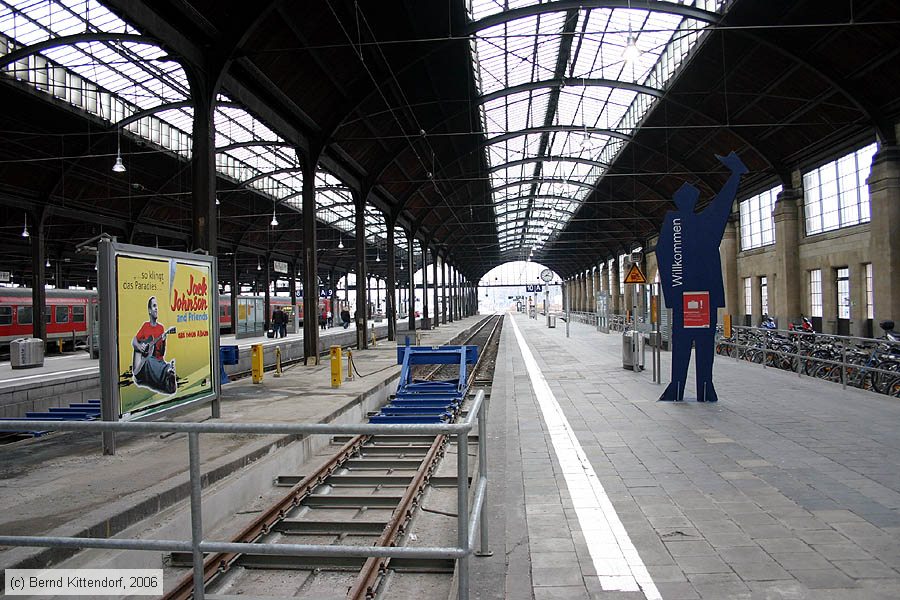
[
  {"x": 345, "y": 317},
  {"x": 279, "y": 322},
  {"x": 323, "y": 320},
  {"x": 691, "y": 274}
]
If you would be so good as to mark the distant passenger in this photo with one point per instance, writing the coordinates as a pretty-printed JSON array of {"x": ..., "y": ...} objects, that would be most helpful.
[{"x": 345, "y": 317}]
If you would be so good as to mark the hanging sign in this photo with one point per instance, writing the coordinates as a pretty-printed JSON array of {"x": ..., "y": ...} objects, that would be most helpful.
[
  {"x": 280, "y": 266},
  {"x": 4, "y": 276},
  {"x": 696, "y": 309},
  {"x": 635, "y": 275}
]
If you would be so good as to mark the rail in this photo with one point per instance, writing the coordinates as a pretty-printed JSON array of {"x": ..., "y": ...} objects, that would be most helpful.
[
  {"x": 867, "y": 363},
  {"x": 467, "y": 524}
]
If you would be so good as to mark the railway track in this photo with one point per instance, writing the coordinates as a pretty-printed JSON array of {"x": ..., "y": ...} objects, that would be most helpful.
[{"x": 379, "y": 491}]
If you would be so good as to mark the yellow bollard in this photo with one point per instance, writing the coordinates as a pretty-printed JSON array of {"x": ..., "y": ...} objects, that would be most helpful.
[
  {"x": 278, "y": 371},
  {"x": 256, "y": 362},
  {"x": 418, "y": 338},
  {"x": 374, "y": 337},
  {"x": 726, "y": 326},
  {"x": 335, "y": 366},
  {"x": 349, "y": 364}
]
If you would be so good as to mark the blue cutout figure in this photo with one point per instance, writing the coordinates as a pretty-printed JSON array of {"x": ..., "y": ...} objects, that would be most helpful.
[{"x": 688, "y": 258}]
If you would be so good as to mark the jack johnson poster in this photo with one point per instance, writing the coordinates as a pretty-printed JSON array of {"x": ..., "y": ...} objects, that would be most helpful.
[{"x": 164, "y": 320}]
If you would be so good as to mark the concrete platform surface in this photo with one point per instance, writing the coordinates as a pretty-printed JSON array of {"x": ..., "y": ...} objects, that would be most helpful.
[{"x": 788, "y": 487}]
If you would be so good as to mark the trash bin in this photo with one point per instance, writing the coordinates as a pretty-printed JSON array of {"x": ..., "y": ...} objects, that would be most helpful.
[
  {"x": 25, "y": 353},
  {"x": 551, "y": 321},
  {"x": 632, "y": 344}
]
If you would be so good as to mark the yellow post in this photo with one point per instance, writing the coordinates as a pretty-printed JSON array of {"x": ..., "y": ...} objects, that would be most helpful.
[
  {"x": 256, "y": 362},
  {"x": 726, "y": 326},
  {"x": 349, "y": 364},
  {"x": 374, "y": 337},
  {"x": 277, "y": 372},
  {"x": 335, "y": 366},
  {"x": 418, "y": 338}
]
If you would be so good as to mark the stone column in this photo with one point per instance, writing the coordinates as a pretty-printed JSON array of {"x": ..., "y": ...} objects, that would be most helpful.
[
  {"x": 829, "y": 300},
  {"x": 728, "y": 251},
  {"x": 786, "y": 284},
  {"x": 614, "y": 292},
  {"x": 858, "y": 316},
  {"x": 884, "y": 240}
]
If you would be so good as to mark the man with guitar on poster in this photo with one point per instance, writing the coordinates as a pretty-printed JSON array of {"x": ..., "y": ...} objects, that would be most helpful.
[{"x": 150, "y": 368}]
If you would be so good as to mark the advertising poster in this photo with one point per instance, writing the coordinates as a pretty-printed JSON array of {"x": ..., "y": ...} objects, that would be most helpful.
[
  {"x": 165, "y": 315},
  {"x": 696, "y": 309}
]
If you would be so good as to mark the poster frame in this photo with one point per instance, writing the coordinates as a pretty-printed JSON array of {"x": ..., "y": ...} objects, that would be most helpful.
[{"x": 109, "y": 250}]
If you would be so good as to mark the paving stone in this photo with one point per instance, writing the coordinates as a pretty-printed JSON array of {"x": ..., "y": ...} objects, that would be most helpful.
[
  {"x": 675, "y": 591},
  {"x": 865, "y": 569},
  {"x": 571, "y": 592},
  {"x": 784, "y": 545},
  {"x": 841, "y": 551},
  {"x": 759, "y": 571},
  {"x": 554, "y": 576},
  {"x": 801, "y": 561},
  {"x": 742, "y": 554},
  {"x": 823, "y": 579},
  {"x": 702, "y": 564}
]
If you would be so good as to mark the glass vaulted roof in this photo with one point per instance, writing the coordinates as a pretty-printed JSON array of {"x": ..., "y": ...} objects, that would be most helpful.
[
  {"x": 117, "y": 80},
  {"x": 559, "y": 99}
]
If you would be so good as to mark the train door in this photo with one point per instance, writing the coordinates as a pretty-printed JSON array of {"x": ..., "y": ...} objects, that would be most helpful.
[{"x": 93, "y": 328}]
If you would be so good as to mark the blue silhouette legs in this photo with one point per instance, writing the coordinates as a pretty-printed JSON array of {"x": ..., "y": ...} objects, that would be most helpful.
[
  {"x": 703, "y": 341},
  {"x": 682, "y": 343}
]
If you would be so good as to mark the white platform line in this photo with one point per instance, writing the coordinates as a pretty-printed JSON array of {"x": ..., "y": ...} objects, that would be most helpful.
[{"x": 616, "y": 560}]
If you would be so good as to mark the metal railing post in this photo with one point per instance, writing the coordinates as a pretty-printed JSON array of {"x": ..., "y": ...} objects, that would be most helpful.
[
  {"x": 462, "y": 510},
  {"x": 484, "y": 549},
  {"x": 196, "y": 515},
  {"x": 844, "y": 366}
]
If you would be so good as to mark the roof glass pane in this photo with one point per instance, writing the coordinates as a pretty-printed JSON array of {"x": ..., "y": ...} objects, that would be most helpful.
[
  {"x": 141, "y": 77},
  {"x": 527, "y": 50}
]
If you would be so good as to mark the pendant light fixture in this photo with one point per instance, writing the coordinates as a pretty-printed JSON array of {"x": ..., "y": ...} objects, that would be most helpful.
[
  {"x": 258, "y": 266},
  {"x": 47, "y": 264},
  {"x": 25, "y": 233},
  {"x": 118, "y": 167},
  {"x": 631, "y": 53},
  {"x": 340, "y": 242},
  {"x": 274, "y": 222}
]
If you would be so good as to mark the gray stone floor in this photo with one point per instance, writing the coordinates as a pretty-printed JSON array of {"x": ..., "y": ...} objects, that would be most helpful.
[{"x": 788, "y": 487}]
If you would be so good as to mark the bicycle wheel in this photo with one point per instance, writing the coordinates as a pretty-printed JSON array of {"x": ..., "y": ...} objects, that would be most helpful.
[
  {"x": 828, "y": 372},
  {"x": 882, "y": 381}
]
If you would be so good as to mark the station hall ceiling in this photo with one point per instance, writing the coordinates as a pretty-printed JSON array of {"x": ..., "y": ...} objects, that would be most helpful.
[{"x": 494, "y": 131}]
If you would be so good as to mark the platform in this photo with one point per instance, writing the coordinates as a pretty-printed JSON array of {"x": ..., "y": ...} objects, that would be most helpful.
[
  {"x": 75, "y": 377},
  {"x": 787, "y": 488}
]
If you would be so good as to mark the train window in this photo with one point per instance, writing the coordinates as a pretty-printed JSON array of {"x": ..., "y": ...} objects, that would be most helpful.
[
  {"x": 222, "y": 311},
  {"x": 5, "y": 315},
  {"x": 78, "y": 314},
  {"x": 24, "y": 314},
  {"x": 47, "y": 315},
  {"x": 62, "y": 314}
]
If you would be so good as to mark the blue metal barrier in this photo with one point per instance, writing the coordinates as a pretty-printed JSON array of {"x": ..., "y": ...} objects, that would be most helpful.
[{"x": 418, "y": 401}]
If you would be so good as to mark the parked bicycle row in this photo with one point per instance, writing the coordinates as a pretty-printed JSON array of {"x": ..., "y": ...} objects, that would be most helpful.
[{"x": 865, "y": 363}]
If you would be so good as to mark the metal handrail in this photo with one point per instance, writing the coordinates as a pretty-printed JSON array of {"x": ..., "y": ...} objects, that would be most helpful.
[
  {"x": 466, "y": 522},
  {"x": 844, "y": 340}
]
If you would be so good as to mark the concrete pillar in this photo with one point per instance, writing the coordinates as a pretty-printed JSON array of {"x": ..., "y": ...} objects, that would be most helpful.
[
  {"x": 884, "y": 240},
  {"x": 858, "y": 318},
  {"x": 615, "y": 307},
  {"x": 786, "y": 285},
  {"x": 728, "y": 251},
  {"x": 829, "y": 300}
]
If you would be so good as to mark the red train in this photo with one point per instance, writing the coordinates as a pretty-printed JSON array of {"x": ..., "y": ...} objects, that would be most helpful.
[{"x": 68, "y": 312}]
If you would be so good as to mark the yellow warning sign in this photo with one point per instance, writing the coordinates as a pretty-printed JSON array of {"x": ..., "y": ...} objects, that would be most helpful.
[{"x": 635, "y": 275}]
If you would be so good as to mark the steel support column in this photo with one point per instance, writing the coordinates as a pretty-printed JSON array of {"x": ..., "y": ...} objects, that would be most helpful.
[{"x": 310, "y": 267}]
